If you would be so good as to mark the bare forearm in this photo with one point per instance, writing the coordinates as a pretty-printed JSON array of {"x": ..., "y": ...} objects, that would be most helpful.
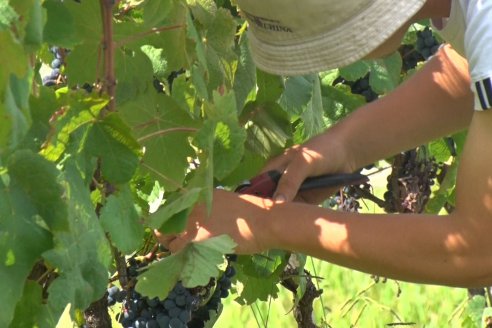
[
  {"x": 423, "y": 248},
  {"x": 435, "y": 102}
]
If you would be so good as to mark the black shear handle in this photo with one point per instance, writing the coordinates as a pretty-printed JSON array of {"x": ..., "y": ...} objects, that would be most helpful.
[{"x": 264, "y": 185}]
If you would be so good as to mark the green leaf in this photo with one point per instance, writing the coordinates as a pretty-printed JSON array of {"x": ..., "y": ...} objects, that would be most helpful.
[
  {"x": 78, "y": 111},
  {"x": 445, "y": 192},
  {"x": 163, "y": 128},
  {"x": 82, "y": 64},
  {"x": 35, "y": 25},
  {"x": 111, "y": 140},
  {"x": 194, "y": 266},
  {"x": 385, "y": 73},
  {"x": 23, "y": 234},
  {"x": 270, "y": 87},
  {"x": 313, "y": 116},
  {"x": 120, "y": 219},
  {"x": 82, "y": 254},
  {"x": 60, "y": 28},
  {"x": 298, "y": 93},
  {"x": 7, "y": 15},
  {"x": 355, "y": 71},
  {"x": 245, "y": 77},
  {"x": 30, "y": 173},
  {"x": 475, "y": 309},
  {"x": 222, "y": 135},
  {"x": 15, "y": 117},
  {"x": 159, "y": 63},
  {"x": 173, "y": 206},
  {"x": 177, "y": 222},
  {"x": 260, "y": 275},
  {"x": 338, "y": 101},
  {"x": 133, "y": 73},
  {"x": 30, "y": 311},
  {"x": 268, "y": 128},
  {"x": 439, "y": 150},
  {"x": 18, "y": 62}
]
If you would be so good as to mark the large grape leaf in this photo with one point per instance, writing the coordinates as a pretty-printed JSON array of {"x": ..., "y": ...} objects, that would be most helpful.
[
  {"x": 194, "y": 266},
  {"x": 385, "y": 73},
  {"x": 245, "y": 76},
  {"x": 30, "y": 311},
  {"x": 268, "y": 128},
  {"x": 26, "y": 214},
  {"x": 355, "y": 71},
  {"x": 259, "y": 276},
  {"x": 60, "y": 27},
  {"x": 338, "y": 101},
  {"x": 120, "y": 220},
  {"x": 81, "y": 255},
  {"x": 222, "y": 136},
  {"x": 163, "y": 128},
  {"x": 111, "y": 140},
  {"x": 173, "y": 206},
  {"x": 15, "y": 117}
]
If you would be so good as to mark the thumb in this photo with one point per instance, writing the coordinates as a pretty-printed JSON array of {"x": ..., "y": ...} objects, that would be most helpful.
[{"x": 289, "y": 184}]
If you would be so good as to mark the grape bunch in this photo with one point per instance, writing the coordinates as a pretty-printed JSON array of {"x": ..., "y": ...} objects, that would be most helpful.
[
  {"x": 410, "y": 57},
  {"x": 427, "y": 45},
  {"x": 182, "y": 307},
  {"x": 409, "y": 184},
  {"x": 362, "y": 87},
  {"x": 56, "y": 65},
  {"x": 348, "y": 199},
  {"x": 359, "y": 87}
]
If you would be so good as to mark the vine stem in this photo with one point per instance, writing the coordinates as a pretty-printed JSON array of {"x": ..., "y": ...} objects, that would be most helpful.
[{"x": 108, "y": 46}]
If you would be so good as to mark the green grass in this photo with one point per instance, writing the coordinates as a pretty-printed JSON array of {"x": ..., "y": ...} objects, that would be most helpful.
[{"x": 354, "y": 299}]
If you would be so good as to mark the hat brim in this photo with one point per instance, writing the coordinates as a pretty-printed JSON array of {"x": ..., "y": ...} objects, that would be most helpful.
[{"x": 349, "y": 42}]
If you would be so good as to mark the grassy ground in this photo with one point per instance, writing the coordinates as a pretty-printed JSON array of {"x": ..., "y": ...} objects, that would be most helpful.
[{"x": 354, "y": 299}]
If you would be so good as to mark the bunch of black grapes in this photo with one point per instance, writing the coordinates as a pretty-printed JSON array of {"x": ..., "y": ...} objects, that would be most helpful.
[
  {"x": 359, "y": 87},
  {"x": 56, "y": 65},
  {"x": 348, "y": 198},
  {"x": 182, "y": 307},
  {"x": 427, "y": 44}
]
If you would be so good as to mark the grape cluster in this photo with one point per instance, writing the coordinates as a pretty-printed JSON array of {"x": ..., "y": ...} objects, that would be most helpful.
[
  {"x": 202, "y": 314},
  {"x": 410, "y": 57},
  {"x": 360, "y": 87},
  {"x": 426, "y": 44},
  {"x": 182, "y": 307},
  {"x": 409, "y": 184},
  {"x": 56, "y": 65},
  {"x": 348, "y": 199}
]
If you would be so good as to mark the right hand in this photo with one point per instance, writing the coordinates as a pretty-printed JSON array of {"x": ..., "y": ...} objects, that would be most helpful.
[{"x": 322, "y": 154}]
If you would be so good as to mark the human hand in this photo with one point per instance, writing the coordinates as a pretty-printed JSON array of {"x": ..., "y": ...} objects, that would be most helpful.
[
  {"x": 320, "y": 155},
  {"x": 242, "y": 217}
]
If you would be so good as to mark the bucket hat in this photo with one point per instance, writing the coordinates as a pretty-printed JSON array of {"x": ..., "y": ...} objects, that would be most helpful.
[{"x": 294, "y": 37}]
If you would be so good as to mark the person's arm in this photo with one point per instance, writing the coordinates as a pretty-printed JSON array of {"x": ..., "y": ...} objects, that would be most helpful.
[
  {"x": 435, "y": 102},
  {"x": 454, "y": 250}
]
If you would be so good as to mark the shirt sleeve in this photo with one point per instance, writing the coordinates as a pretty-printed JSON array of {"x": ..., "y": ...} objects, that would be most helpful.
[{"x": 478, "y": 48}]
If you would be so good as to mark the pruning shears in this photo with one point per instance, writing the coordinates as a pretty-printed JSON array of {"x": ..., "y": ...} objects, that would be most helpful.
[{"x": 264, "y": 185}]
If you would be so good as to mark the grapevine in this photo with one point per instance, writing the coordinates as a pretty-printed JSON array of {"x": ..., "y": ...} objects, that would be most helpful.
[{"x": 104, "y": 105}]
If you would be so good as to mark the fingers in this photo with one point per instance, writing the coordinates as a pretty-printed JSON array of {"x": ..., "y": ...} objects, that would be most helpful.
[{"x": 297, "y": 170}]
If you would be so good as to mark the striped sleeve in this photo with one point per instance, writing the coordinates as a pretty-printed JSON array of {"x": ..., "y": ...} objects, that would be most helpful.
[
  {"x": 483, "y": 94},
  {"x": 478, "y": 49}
]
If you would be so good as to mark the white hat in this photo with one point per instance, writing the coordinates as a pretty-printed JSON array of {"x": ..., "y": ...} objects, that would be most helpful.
[{"x": 292, "y": 37}]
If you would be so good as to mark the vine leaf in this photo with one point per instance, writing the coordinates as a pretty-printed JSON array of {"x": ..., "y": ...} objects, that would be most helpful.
[
  {"x": 163, "y": 128},
  {"x": 385, "y": 73},
  {"x": 111, "y": 140},
  {"x": 260, "y": 275},
  {"x": 194, "y": 266},
  {"x": 60, "y": 28},
  {"x": 81, "y": 254},
  {"x": 26, "y": 214},
  {"x": 173, "y": 206},
  {"x": 120, "y": 219}
]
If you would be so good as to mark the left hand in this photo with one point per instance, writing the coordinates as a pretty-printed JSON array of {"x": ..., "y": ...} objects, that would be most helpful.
[{"x": 242, "y": 217}]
